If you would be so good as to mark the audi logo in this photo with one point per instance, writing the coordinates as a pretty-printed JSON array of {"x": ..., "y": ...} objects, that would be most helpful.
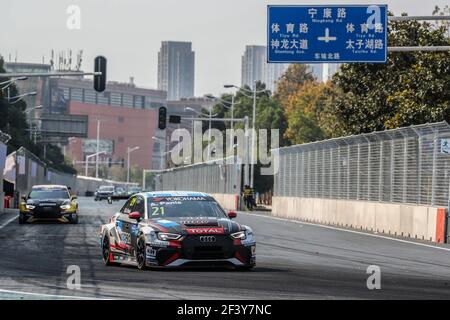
[{"x": 209, "y": 239}]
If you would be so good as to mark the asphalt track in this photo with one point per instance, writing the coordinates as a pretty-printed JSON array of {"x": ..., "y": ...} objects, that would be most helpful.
[{"x": 294, "y": 261}]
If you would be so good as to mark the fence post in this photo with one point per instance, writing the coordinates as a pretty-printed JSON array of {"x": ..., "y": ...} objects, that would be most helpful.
[
  {"x": 380, "y": 182},
  {"x": 348, "y": 172},
  {"x": 392, "y": 170},
  {"x": 323, "y": 174},
  {"x": 433, "y": 178},
  {"x": 358, "y": 175},
  {"x": 339, "y": 163},
  {"x": 331, "y": 173},
  {"x": 369, "y": 168},
  {"x": 419, "y": 170},
  {"x": 405, "y": 166}
]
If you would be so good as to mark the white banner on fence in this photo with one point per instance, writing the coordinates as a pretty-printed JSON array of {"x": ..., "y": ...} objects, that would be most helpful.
[
  {"x": 9, "y": 173},
  {"x": 33, "y": 169},
  {"x": 21, "y": 163}
]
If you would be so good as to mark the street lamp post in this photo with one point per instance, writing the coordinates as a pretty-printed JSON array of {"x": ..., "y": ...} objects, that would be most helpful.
[
  {"x": 129, "y": 150},
  {"x": 161, "y": 151},
  {"x": 87, "y": 161},
  {"x": 210, "y": 121},
  {"x": 20, "y": 96},
  {"x": 253, "y": 151},
  {"x": 231, "y": 107},
  {"x": 29, "y": 118}
]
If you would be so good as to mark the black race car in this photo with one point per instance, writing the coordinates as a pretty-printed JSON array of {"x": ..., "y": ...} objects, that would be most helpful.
[
  {"x": 173, "y": 229},
  {"x": 49, "y": 202},
  {"x": 110, "y": 193}
]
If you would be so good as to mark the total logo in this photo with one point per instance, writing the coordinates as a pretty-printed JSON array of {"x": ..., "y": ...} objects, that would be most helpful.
[{"x": 205, "y": 230}]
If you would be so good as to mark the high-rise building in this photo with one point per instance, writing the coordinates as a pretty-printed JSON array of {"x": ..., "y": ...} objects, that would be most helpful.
[
  {"x": 256, "y": 68},
  {"x": 176, "y": 62}
]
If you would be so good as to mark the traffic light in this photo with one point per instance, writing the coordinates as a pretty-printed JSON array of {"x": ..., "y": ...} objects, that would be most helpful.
[
  {"x": 122, "y": 164},
  {"x": 100, "y": 80},
  {"x": 109, "y": 162},
  {"x": 162, "y": 118},
  {"x": 174, "y": 119}
]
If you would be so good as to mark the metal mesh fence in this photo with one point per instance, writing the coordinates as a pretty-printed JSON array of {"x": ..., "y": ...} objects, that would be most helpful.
[
  {"x": 203, "y": 177},
  {"x": 406, "y": 165}
]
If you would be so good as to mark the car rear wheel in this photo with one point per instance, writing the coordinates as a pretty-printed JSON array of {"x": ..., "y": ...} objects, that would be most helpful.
[
  {"x": 244, "y": 268},
  {"x": 141, "y": 253},
  {"x": 106, "y": 251},
  {"x": 74, "y": 218}
]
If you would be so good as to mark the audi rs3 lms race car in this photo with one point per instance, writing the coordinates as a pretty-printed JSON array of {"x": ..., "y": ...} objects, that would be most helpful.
[
  {"x": 48, "y": 202},
  {"x": 174, "y": 229}
]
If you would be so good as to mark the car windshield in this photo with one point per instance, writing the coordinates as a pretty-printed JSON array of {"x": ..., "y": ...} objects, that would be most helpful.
[
  {"x": 49, "y": 194},
  {"x": 106, "y": 188},
  {"x": 173, "y": 207}
]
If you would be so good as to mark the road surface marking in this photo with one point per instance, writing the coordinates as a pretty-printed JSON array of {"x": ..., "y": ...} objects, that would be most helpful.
[
  {"x": 8, "y": 222},
  {"x": 350, "y": 231},
  {"x": 49, "y": 295}
]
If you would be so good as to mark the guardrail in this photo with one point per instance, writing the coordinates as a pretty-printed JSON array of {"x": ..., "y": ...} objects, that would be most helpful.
[{"x": 407, "y": 165}]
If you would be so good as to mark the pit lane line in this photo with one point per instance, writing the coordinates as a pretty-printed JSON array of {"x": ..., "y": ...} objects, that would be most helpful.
[
  {"x": 346, "y": 230},
  {"x": 9, "y": 221}
]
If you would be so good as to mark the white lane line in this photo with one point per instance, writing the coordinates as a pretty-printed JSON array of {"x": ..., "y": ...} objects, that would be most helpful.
[
  {"x": 8, "y": 222},
  {"x": 50, "y": 295},
  {"x": 350, "y": 231}
]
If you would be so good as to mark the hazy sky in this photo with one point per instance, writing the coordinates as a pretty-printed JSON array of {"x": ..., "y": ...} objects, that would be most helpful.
[{"x": 129, "y": 33}]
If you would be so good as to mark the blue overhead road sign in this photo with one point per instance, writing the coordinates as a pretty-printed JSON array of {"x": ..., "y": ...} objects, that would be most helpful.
[{"x": 327, "y": 33}]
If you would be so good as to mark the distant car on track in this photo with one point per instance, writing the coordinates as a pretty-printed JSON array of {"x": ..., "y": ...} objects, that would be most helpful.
[
  {"x": 133, "y": 190},
  {"x": 174, "y": 229},
  {"x": 49, "y": 202},
  {"x": 110, "y": 193}
]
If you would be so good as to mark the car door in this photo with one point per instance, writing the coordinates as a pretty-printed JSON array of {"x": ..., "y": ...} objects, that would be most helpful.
[
  {"x": 123, "y": 225},
  {"x": 139, "y": 206}
]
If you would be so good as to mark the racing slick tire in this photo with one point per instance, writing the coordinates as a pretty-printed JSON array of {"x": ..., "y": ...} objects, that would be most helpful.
[
  {"x": 244, "y": 268},
  {"x": 106, "y": 251},
  {"x": 141, "y": 253},
  {"x": 74, "y": 218}
]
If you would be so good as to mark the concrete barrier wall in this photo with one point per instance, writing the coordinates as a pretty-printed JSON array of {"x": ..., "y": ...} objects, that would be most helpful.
[
  {"x": 227, "y": 201},
  {"x": 419, "y": 222}
]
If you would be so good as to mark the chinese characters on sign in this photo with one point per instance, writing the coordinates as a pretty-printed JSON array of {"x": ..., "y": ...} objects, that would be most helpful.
[{"x": 324, "y": 34}]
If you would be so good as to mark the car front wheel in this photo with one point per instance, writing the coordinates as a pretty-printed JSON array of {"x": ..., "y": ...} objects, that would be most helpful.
[{"x": 141, "y": 253}]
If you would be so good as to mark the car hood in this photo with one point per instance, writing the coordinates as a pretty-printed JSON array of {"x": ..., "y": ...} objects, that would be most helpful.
[
  {"x": 188, "y": 225},
  {"x": 47, "y": 201}
]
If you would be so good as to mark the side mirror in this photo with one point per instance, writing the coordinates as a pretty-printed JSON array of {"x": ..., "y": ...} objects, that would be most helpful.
[
  {"x": 232, "y": 214},
  {"x": 134, "y": 215}
]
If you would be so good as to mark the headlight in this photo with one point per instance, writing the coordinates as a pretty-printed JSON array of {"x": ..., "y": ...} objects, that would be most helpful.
[
  {"x": 30, "y": 206},
  {"x": 239, "y": 235},
  {"x": 168, "y": 236},
  {"x": 65, "y": 206}
]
